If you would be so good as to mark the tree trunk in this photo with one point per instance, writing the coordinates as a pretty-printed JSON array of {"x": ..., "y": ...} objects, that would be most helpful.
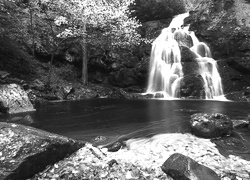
[
  {"x": 50, "y": 69},
  {"x": 32, "y": 31},
  {"x": 84, "y": 58}
]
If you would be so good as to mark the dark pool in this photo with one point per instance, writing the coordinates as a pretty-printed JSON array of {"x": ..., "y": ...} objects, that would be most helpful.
[{"x": 117, "y": 119}]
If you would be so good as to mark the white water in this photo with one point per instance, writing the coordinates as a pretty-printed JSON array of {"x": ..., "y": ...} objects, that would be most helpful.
[{"x": 166, "y": 67}]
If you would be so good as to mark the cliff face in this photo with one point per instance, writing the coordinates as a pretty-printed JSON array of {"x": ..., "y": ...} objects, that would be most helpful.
[{"x": 224, "y": 25}]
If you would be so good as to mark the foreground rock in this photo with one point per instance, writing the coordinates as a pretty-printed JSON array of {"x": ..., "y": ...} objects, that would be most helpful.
[
  {"x": 13, "y": 99},
  {"x": 179, "y": 167},
  {"x": 25, "y": 151},
  {"x": 211, "y": 125}
]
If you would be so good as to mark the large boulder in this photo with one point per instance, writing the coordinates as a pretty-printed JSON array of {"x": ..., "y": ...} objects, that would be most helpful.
[
  {"x": 181, "y": 167},
  {"x": 13, "y": 99},
  {"x": 26, "y": 151},
  {"x": 189, "y": 62},
  {"x": 192, "y": 86},
  {"x": 211, "y": 125}
]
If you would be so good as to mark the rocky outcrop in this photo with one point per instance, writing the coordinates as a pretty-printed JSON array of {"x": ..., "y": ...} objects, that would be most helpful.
[
  {"x": 211, "y": 125},
  {"x": 13, "y": 99},
  {"x": 26, "y": 151},
  {"x": 192, "y": 87},
  {"x": 182, "y": 167},
  {"x": 224, "y": 25}
]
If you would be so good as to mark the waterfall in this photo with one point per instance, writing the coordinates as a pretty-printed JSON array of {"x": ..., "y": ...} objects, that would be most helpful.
[{"x": 172, "y": 77}]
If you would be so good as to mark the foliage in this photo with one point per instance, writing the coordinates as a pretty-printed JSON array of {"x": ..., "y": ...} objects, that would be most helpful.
[
  {"x": 149, "y": 10},
  {"x": 13, "y": 59},
  {"x": 107, "y": 22},
  {"x": 45, "y": 26}
]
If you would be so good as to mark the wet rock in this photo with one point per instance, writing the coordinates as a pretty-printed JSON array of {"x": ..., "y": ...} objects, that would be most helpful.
[
  {"x": 192, "y": 86},
  {"x": 3, "y": 108},
  {"x": 236, "y": 144},
  {"x": 159, "y": 95},
  {"x": 4, "y": 74},
  {"x": 181, "y": 167},
  {"x": 210, "y": 125},
  {"x": 225, "y": 27},
  {"x": 14, "y": 99},
  {"x": 112, "y": 162},
  {"x": 64, "y": 91},
  {"x": 187, "y": 55},
  {"x": 26, "y": 151},
  {"x": 183, "y": 38},
  {"x": 240, "y": 123},
  {"x": 26, "y": 120},
  {"x": 114, "y": 147}
]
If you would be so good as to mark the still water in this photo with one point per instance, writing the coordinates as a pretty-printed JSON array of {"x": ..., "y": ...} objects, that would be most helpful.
[
  {"x": 118, "y": 119},
  {"x": 132, "y": 118}
]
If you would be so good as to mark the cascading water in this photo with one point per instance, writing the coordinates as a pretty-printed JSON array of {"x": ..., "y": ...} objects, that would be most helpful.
[{"x": 169, "y": 76}]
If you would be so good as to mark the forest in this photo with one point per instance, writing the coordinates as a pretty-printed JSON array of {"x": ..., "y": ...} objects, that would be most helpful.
[
  {"x": 57, "y": 40},
  {"x": 124, "y": 89}
]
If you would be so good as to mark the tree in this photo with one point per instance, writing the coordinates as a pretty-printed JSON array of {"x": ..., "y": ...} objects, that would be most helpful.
[
  {"x": 85, "y": 19},
  {"x": 48, "y": 24}
]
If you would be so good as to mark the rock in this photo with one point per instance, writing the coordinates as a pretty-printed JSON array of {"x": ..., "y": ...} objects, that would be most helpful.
[
  {"x": 181, "y": 167},
  {"x": 26, "y": 151},
  {"x": 112, "y": 162},
  {"x": 99, "y": 140},
  {"x": 14, "y": 99},
  {"x": 64, "y": 91},
  {"x": 3, "y": 74},
  {"x": 124, "y": 78},
  {"x": 3, "y": 108},
  {"x": 225, "y": 27},
  {"x": 38, "y": 85},
  {"x": 26, "y": 120},
  {"x": 114, "y": 147},
  {"x": 183, "y": 38},
  {"x": 240, "y": 123},
  {"x": 25, "y": 86},
  {"x": 236, "y": 145},
  {"x": 192, "y": 86},
  {"x": 15, "y": 81},
  {"x": 210, "y": 125},
  {"x": 159, "y": 95}
]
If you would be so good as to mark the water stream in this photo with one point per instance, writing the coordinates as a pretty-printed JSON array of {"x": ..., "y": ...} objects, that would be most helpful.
[{"x": 170, "y": 74}]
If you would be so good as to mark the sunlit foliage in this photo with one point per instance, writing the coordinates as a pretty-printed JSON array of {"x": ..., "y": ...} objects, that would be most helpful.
[{"x": 45, "y": 24}]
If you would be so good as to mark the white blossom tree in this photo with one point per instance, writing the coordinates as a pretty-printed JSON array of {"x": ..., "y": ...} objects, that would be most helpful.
[{"x": 111, "y": 17}]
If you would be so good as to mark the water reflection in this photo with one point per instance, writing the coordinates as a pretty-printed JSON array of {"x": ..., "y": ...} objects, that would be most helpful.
[{"x": 126, "y": 119}]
